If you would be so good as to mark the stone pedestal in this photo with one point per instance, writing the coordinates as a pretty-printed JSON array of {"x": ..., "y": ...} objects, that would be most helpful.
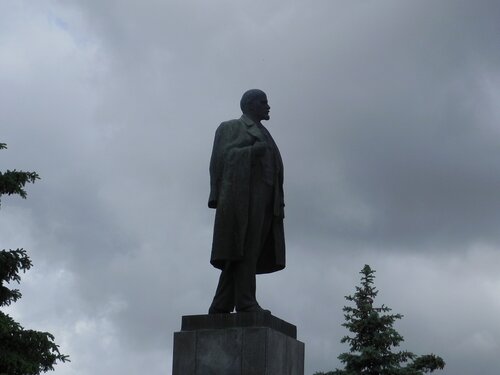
[{"x": 237, "y": 344}]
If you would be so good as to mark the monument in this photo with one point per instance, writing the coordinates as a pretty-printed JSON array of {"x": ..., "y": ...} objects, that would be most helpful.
[{"x": 246, "y": 189}]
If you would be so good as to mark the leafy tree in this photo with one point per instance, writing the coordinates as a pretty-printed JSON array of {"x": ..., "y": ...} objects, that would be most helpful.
[
  {"x": 374, "y": 338},
  {"x": 22, "y": 351}
]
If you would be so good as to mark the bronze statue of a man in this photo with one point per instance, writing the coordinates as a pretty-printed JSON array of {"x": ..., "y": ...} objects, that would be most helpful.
[{"x": 246, "y": 189}]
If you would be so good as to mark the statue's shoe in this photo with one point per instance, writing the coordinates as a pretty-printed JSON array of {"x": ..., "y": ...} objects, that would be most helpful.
[
  {"x": 254, "y": 309},
  {"x": 212, "y": 310}
]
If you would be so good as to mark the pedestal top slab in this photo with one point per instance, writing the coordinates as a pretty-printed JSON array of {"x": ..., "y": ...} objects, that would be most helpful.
[{"x": 237, "y": 320}]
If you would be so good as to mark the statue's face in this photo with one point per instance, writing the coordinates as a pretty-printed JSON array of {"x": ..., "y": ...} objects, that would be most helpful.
[{"x": 259, "y": 108}]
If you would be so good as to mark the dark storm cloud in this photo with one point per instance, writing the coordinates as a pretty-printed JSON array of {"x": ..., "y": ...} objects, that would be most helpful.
[
  {"x": 385, "y": 115},
  {"x": 402, "y": 131}
]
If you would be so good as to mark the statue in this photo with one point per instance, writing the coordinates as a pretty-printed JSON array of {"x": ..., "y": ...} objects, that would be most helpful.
[{"x": 246, "y": 189}]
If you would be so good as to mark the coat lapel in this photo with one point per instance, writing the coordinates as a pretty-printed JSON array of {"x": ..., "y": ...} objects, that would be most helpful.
[{"x": 252, "y": 128}]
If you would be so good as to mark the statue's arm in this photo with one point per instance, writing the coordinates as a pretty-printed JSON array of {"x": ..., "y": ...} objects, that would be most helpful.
[
  {"x": 223, "y": 141},
  {"x": 215, "y": 168},
  {"x": 231, "y": 145}
]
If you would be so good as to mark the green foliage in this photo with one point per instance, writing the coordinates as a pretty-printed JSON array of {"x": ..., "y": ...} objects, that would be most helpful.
[
  {"x": 11, "y": 262},
  {"x": 26, "y": 352},
  {"x": 22, "y": 351},
  {"x": 13, "y": 182},
  {"x": 374, "y": 338}
]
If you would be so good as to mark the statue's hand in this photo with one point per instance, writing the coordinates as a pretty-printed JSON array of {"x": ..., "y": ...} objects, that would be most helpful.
[{"x": 259, "y": 148}]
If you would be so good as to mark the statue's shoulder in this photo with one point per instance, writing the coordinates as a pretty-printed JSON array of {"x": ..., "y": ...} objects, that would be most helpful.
[{"x": 230, "y": 125}]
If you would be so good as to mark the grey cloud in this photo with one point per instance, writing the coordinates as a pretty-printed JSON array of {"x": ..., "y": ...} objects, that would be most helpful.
[{"x": 384, "y": 113}]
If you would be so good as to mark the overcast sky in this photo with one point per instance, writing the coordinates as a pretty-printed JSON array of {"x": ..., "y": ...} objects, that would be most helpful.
[{"x": 386, "y": 114}]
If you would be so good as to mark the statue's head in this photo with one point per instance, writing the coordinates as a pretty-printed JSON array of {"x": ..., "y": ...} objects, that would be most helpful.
[{"x": 254, "y": 104}]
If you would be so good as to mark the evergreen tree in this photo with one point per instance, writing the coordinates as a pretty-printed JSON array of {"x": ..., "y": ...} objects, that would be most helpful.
[
  {"x": 374, "y": 338},
  {"x": 22, "y": 352}
]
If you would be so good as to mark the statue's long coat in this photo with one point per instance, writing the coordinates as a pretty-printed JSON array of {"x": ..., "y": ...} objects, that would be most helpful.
[{"x": 230, "y": 186}]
